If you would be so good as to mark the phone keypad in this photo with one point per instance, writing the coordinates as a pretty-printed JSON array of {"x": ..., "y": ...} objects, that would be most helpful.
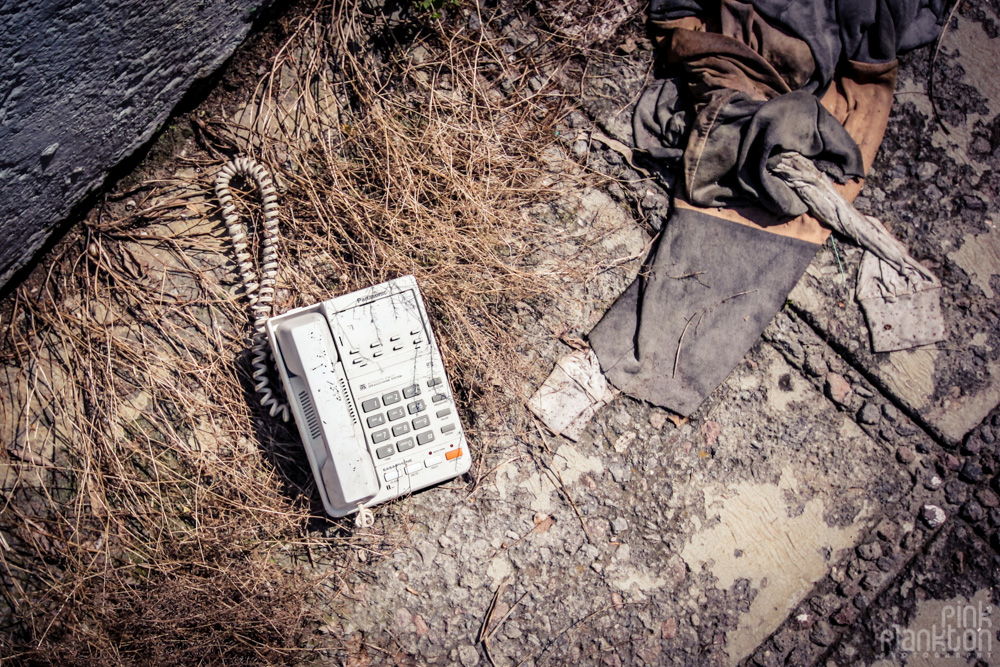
[{"x": 420, "y": 430}]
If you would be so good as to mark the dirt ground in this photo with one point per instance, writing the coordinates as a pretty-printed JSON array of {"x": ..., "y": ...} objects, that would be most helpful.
[{"x": 825, "y": 506}]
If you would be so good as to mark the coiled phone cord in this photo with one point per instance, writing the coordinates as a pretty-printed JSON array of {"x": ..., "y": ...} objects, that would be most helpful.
[{"x": 260, "y": 295}]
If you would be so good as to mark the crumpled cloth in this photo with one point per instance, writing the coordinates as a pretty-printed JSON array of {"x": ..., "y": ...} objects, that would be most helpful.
[
  {"x": 869, "y": 31},
  {"x": 900, "y": 297},
  {"x": 900, "y": 314},
  {"x": 753, "y": 80},
  {"x": 754, "y": 73}
]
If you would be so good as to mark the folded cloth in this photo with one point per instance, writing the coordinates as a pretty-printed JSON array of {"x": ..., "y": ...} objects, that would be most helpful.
[{"x": 755, "y": 79}]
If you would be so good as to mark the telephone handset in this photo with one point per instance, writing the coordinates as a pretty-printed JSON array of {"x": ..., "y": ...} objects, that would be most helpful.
[
  {"x": 334, "y": 442},
  {"x": 362, "y": 373}
]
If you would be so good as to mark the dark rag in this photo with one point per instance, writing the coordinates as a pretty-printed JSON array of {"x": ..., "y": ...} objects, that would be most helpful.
[{"x": 752, "y": 80}]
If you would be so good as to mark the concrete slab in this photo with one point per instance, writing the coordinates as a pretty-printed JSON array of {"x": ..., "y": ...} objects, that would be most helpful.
[{"x": 643, "y": 541}]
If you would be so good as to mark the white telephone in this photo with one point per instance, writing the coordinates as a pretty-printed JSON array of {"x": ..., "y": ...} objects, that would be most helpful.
[
  {"x": 362, "y": 372},
  {"x": 365, "y": 381}
]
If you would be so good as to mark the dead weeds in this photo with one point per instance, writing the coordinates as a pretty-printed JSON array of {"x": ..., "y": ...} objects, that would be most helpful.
[{"x": 151, "y": 512}]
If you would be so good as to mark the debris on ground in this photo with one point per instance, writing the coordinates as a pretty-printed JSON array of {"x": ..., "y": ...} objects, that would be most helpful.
[{"x": 822, "y": 503}]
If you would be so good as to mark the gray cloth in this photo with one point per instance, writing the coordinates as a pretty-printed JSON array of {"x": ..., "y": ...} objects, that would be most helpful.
[
  {"x": 729, "y": 165},
  {"x": 900, "y": 297},
  {"x": 711, "y": 285},
  {"x": 709, "y": 290}
]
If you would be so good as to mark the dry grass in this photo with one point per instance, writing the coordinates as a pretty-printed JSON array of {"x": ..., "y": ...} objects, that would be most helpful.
[{"x": 151, "y": 514}]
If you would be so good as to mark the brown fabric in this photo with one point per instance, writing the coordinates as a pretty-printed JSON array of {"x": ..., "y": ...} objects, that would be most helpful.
[
  {"x": 739, "y": 52},
  {"x": 718, "y": 64},
  {"x": 790, "y": 57},
  {"x": 661, "y": 31},
  {"x": 861, "y": 98}
]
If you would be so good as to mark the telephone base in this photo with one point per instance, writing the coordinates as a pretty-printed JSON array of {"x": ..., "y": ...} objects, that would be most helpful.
[{"x": 371, "y": 399}]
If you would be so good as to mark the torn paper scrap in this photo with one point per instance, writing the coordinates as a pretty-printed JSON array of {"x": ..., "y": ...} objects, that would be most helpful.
[{"x": 572, "y": 394}]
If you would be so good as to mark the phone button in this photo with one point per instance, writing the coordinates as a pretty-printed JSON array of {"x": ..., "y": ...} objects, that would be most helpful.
[
  {"x": 376, "y": 420},
  {"x": 433, "y": 382},
  {"x": 453, "y": 454},
  {"x": 421, "y": 422},
  {"x": 400, "y": 429},
  {"x": 396, "y": 413},
  {"x": 425, "y": 437},
  {"x": 385, "y": 452},
  {"x": 447, "y": 428},
  {"x": 405, "y": 444},
  {"x": 380, "y": 436},
  {"x": 443, "y": 413},
  {"x": 437, "y": 398},
  {"x": 416, "y": 406},
  {"x": 410, "y": 392},
  {"x": 433, "y": 461},
  {"x": 391, "y": 474},
  {"x": 370, "y": 404},
  {"x": 391, "y": 397}
]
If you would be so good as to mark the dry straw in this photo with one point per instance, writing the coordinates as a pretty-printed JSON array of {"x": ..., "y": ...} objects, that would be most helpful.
[{"x": 151, "y": 512}]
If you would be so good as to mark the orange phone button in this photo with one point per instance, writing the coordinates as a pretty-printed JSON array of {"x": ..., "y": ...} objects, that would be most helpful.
[{"x": 454, "y": 454}]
